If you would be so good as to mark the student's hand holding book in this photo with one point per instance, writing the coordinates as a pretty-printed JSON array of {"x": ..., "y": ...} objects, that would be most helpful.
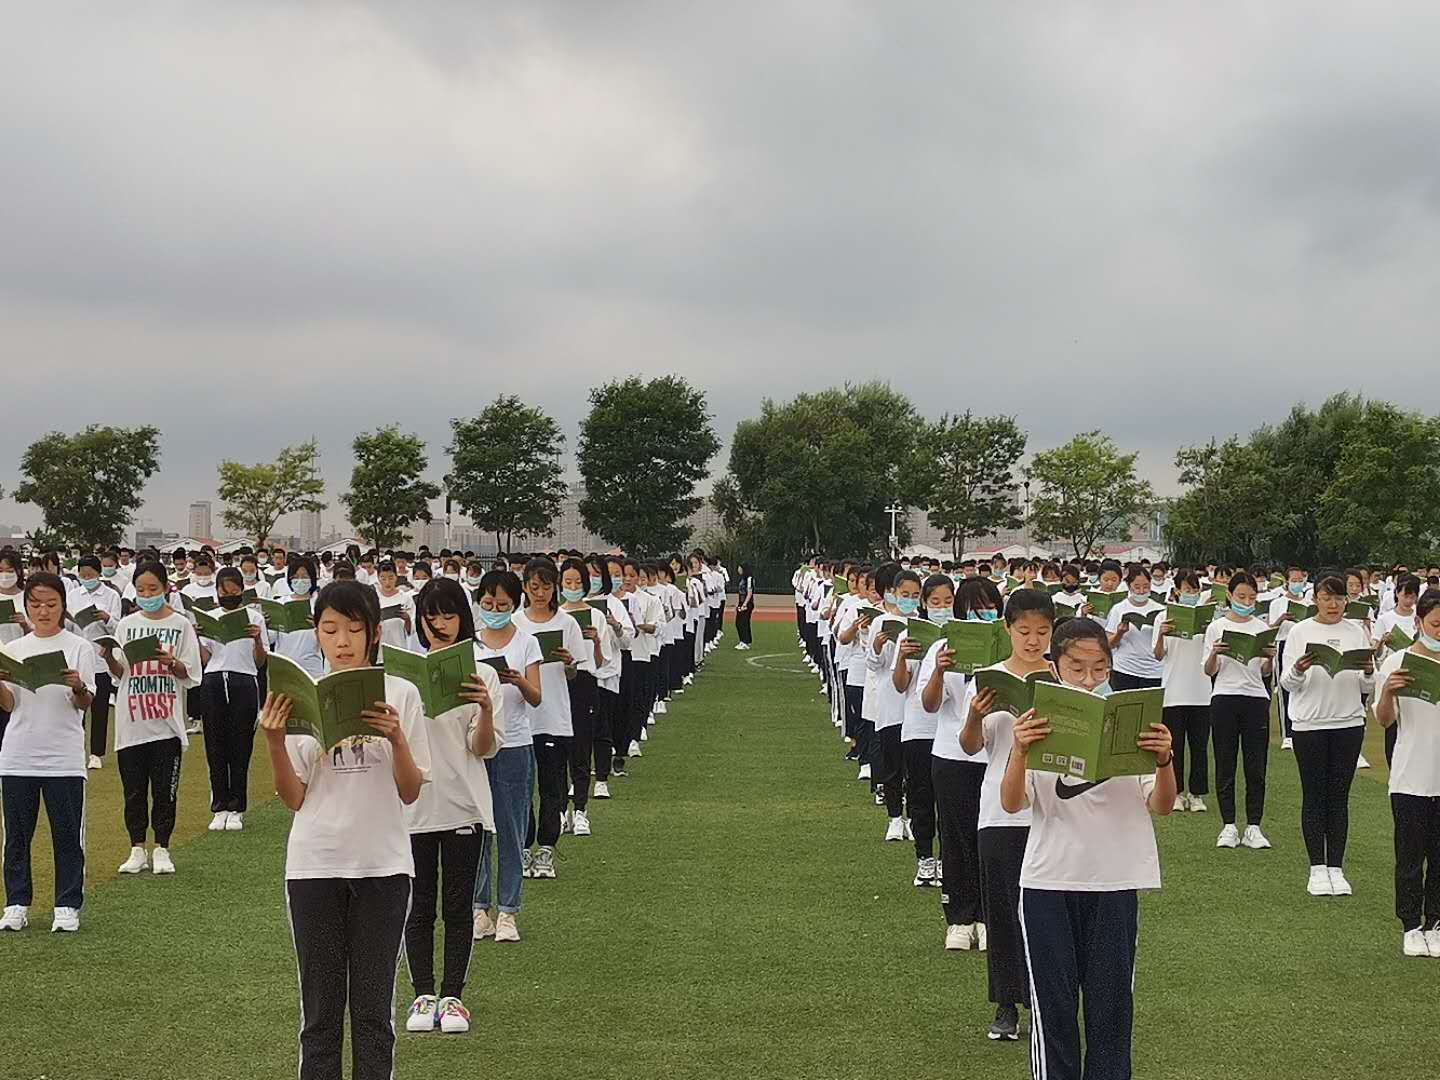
[
  {"x": 910, "y": 649},
  {"x": 1029, "y": 729},
  {"x": 75, "y": 684},
  {"x": 563, "y": 655},
  {"x": 1157, "y": 741},
  {"x": 172, "y": 663},
  {"x": 1399, "y": 680},
  {"x": 385, "y": 719},
  {"x": 1166, "y": 629},
  {"x": 981, "y": 705},
  {"x": 1303, "y": 662},
  {"x": 944, "y": 659},
  {"x": 253, "y": 632},
  {"x": 275, "y": 716},
  {"x": 473, "y": 691}
]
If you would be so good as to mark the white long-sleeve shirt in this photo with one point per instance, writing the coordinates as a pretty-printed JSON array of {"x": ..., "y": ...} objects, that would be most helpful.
[{"x": 1317, "y": 701}]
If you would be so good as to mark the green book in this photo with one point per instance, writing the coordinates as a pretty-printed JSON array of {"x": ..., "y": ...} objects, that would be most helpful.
[
  {"x": 872, "y": 613},
  {"x": 1425, "y": 676},
  {"x": 44, "y": 669},
  {"x": 1189, "y": 622},
  {"x": 140, "y": 649},
  {"x": 179, "y": 582},
  {"x": 1334, "y": 661},
  {"x": 1065, "y": 611},
  {"x": 1398, "y": 639},
  {"x": 549, "y": 640},
  {"x": 1300, "y": 611},
  {"x": 1102, "y": 603},
  {"x": 1356, "y": 609},
  {"x": 841, "y": 586},
  {"x": 193, "y": 604},
  {"x": 7, "y": 611},
  {"x": 439, "y": 675},
  {"x": 271, "y": 579},
  {"x": 496, "y": 662},
  {"x": 601, "y": 606},
  {"x": 1091, "y": 737},
  {"x": 287, "y": 617},
  {"x": 1012, "y": 583},
  {"x": 1140, "y": 619},
  {"x": 1245, "y": 646},
  {"x": 395, "y": 611},
  {"x": 328, "y": 708},
  {"x": 1220, "y": 593},
  {"x": 249, "y": 597},
  {"x": 1012, "y": 693},
  {"x": 892, "y": 627},
  {"x": 682, "y": 581},
  {"x": 976, "y": 644},
  {"x": 1277, "y": 581},
  {"x": 1052, "y": 587},
  {"x": 583, "y": 616},
  {"x": 105, "y": 641},
  {"x": 924, "y": 631},
  {"x": 87, "y": 616},
  {"x": 223, "y": 628}
]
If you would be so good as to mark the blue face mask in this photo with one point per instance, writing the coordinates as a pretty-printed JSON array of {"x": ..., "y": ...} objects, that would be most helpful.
[
  {"x": 595, "y": 586},
  {"x": 1190, "y": 599},
  {"x": 940, "y": 616},
  {"x": 572, "y": 595},
  {"x": 1139, "y": 599},
  {"x": 616, "y": 587},
  {"x": 1243, "y": 610},
  {"x": 990, "y": 615},
  {"x": 151, "y": 604},
  {"x": 496, "y": 620},
  {"x": 1433, "y": 644},
  {"x": 890, "y": 598},
  {"x": 908, "y": 605},
  {"x": 90, "y": 583},
  {"x": 1298, "y": 588},
  {"x": 107, "y": 571},
  {"x": 300, "y": 586},
  {"x": 1104, "y": 689}
]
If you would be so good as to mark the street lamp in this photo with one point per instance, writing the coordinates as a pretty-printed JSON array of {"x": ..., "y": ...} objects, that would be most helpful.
[
  {"x": 1027, "y": 519},
  {"x": 894, "y": 512}
]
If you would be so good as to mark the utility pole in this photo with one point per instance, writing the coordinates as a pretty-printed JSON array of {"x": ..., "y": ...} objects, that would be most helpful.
[
  {"x": 1028, "y": 552},
  {"x": 894, "y": 512}
]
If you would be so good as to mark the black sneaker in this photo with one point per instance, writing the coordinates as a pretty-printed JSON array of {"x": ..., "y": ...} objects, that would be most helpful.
[{"x": 1006, "y": 1025}]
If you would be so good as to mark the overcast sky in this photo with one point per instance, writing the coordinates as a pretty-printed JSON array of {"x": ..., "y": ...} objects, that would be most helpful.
[{"x": 1170, "y": 220}]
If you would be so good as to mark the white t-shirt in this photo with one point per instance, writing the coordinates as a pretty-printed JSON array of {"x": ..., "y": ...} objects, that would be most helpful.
[
  {"x": 46, "y": 732},
  {"x": 1135, "y": 654},
  {"x": 519, "y": 652},
  {"x": 10, "y": 629},
  {"x": 1391, "y": 619},
  {"x": 1233, "y": 678},
  {"x": 552, "y": 715},
  {"x": 1416, "y": 767},
  {"x": 1317, "y": 701},
  {"x": 917, "y": 723},
  {"x": 1183, "y": 670},
  {"x": 999, "y": 734},
  {"x": 1281, "y": 604},
  {"x": 392, "y": 631},
  {"x": 1088, "y": 837},
  {"x": 352, "y": 822},
  {"x": 458, "y": 793},
  {"x": 949, "y": 719},
  {"x": 150, "y": 701},
  {"x": 236, "y": 656}
]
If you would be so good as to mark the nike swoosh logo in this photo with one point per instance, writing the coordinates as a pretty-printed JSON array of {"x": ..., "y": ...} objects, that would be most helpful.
[{"x": 1069, "y": 791}]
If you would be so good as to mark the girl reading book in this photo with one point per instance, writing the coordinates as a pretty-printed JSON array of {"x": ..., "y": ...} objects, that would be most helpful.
[
  {"x": 600, "y": 647},
  {"x": 1187, "y": 697},
  {"x": 917, "y": 731}
]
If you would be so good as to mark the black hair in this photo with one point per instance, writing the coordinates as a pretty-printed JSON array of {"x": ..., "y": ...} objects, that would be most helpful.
[
  {"x": 155, "y": 568},
  {"x": 301, "y": 562},
  {"x": 975, "y": 593},
  {"x": 1075, "y": 630},
  {"x": 906, "y": 575},
  {"x": 602, "y": 567},
  {"x": 1333, "y": 584},
  {"x": 544, "y": 569},
  {"x": 933, "y": 582},
  {"x": 1027, "y": 601},
  {"x": 421, "y": 565},
  {"x": 17, "y": 564},
  {"x": 506, "y": 581},
  {"x": 1242, "y": 577},
  {"x": 1136, "y": 571},
  {"x": 1427, "y": 604},
  {"x": 228, "y": 573},
  {"x": 90, "y": 561},
  {"x": 1109, "y": 565},
  {"x": 351, "y": 600},
  {"x": 386, "y": 567},
  {"x": 46, "y": 580},
  {"x": 1408, "y": 583},
  {"x": 580, "y": 567},
  {"x": 441, "y": 596},
  {"x": 885, "y": 576},
  {"x": 1185, "y": 576}
]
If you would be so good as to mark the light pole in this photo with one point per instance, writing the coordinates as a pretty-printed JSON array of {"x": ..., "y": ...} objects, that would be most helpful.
[
  {"x": 894, "y": 512},
  {"x": 1027, "y": 519}
]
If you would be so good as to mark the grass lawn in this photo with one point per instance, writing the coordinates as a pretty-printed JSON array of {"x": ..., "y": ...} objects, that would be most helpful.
[{"x": 735, "y": 915}]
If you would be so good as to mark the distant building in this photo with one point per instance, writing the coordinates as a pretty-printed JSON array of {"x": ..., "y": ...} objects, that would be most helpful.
[
  {"x": 156, "y": 538},
  {"x": 200, "y": 519},
  {"x": 309, "y": 529}
]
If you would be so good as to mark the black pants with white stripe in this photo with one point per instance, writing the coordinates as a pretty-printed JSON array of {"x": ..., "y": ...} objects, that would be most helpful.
[
  {"x": 347, "y": 934},
  {"x": 1080, "y": 945},
  {"x": 445, "y": 867}
]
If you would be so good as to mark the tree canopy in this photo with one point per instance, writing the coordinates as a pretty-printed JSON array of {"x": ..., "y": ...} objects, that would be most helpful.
[
  {"x": 505, "y": 471},
  {"x": 257, "y": 495},
  {"x": 386, "y": 490},
  {"x": 88, "y": 485}
]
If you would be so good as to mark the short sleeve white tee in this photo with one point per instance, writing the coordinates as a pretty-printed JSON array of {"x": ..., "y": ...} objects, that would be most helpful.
[
  {"x": 46, "y": 732},
  {"x": 1090, "y": 837},
  {"x": 458, "y": 793},
  {"x": 1233, "y": 678}
]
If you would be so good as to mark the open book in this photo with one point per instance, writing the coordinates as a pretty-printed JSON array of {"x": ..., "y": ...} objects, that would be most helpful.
[
  {"x": 549, "y": 640},
  {"x": 439, "y": 675},
  {"x": 924, "y": 631},
  {"x": 89, "y": 615},
  {"x": 327, "y": 708},
  {"x": 395, "y": 611},
  {"x": 7, "y": 610},
  {"x": 43, "y": 669},
  {"x": 584, "y": 616},
  {"x": 1245, "y": 646},
  {"x": 287, "y": 617},
  {"x": 1138, "y": 620},
  {"x": 1012, "y": 693},
  {"x": 136, "y": 650},
  {"x": 193, "y": 604},
  {"x": 1101, "y": 603},
  {"x": 841, "y": 585},
  {"x": 1398, "y": 639},
  {"x": 1092, "y": 737},
  {"x": 224, "y": 628},
  {"x": 497, "y": 662},
  {"x": 976, "y": 644},
  {"x": 1300, "y": 611},
  {"x": 1334, "y": 661},
  {"x": 1220, "y": 593},
  {"x": 1425, "y": 676},
  {"x": 1189, "y": 622}
]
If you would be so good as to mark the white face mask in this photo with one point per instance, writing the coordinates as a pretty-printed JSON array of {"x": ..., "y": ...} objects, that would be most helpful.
[{"x": 8, "y": 580}]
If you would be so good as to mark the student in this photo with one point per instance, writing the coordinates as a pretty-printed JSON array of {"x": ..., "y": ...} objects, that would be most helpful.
[
  {"x": 1187, "y": 698},
  {"x": 852, "y": 635},
  {"x": 1404, "y": 595},
  {"x": 251, "y": 577},
  {"x": 92, "y": 592},
  {"x": 299, "y": 645},
  {"x": 1091, "y": 848},
  {"x": 600, "y": 646},
  {"x": 1134, "y": 650},
  {"x": 43, "y": 756},
  {"x": 957, "y": 775},
  {"x": 1239, "y": 714},
  {"x": 744, "y": 605},
  {"x": 394, "y": 631},
  {"x": 450, "y": 818},
  {"x": 348, "y": 862},
  {"x": 1030, "y": 618},
  {"x": 1415, "y": 785},
  {"x": 644, "y": 613},
  {"x": 1328, "y": 717},
  {"x": 232, "y": 703},
  {"x": 607, "y": 676},
  {"x": 892, "y": 687},
  {"x": 1297, "y": 589},
  {"x": 12, "y": 584},
  {"x": 512, "y": 769}
]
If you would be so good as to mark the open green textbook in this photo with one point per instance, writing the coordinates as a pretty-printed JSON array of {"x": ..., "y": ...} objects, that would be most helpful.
[
  {"x": 585, "y": 617},
  {"x": 1220, "y": 593},
  {"x": 249, "y": 598},
  {"x": 1012, "y": 693},
  {"x": 549, "y": 640},
  {"x": 1065, "y": 611},
  {"x": 1300, "y": 611},
  {"x": 328, "y": 708},
  {"x": 193, "y": 604},
  {"x": 892, "y": 626},
  {"x": 231, "y": 626},
  {"x": 7, "y": 611},
  {"x": 44, "y": 669},
  {"x": 1101, "y": 603},
  {"x": 1334, "y": 661},
  {"x": 872, "y": 613},
  {"x": 1357, "y": 610},
  {"x": 395, "y": 611},
  {"x": 1092, "y": 737},
  {"x": 439, "y": 676},
  {"x": 496, "y": 662},
  {"x": 841, "y": 586},
  {"x": 1425, "y": 676},
  {"x": 287, "y": 617},
  {"x": 601, "y": 606},
  {"x": 1245, "y": 646},
  {"x": 1189, "y": 622},
  {"x": 1138, "y": 620},
  {"x": 924, "y": 631},
  {"x": 140, "y": 649},
  {"x": 87, "y": 616},
  {"x": 976, "y": 644},
  {"x": 1398, "y": 639}
]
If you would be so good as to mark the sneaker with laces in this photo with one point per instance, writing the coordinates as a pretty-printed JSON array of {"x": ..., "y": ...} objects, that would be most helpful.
[
  {"x": 1432, "y": 939},
  {"x": 895, "y": 830},
  {"x": 1197, "y": 805},
  {"x": 235, "y": 822},
  {"x": 422, "y": 1014},
  {"x": 93, "y": 763},
  {"x": 1006, "y": 1025},
  {"x": 137, "y": 861},
  {"x": 544, "y": 864},
  {"x": 484, "y": 926},
  {"x": 580, "y": 824},
  {"x": 935, "y": 881},
  {"x": 454, "y": 1017},
  {"x": 922, "y": 873},
  {"x": 1339, "y": 886},
  {"x": 66, "y": 921},
  {"x": 1287, "y": 743},
  {"x": 565, "y": 823},
  {"x": 1182, "y": 803},
  {"x": 1229, "y": 837},
  {"x": 864, "y": 773},
  {"x": 602, "y": 789},
  {"x": 1414, "y": 944},
  {"x": 660, "y": 708},
  {"x": 982, "y": 937},
  {"x": 218, "y": 821},
  {"x": 1254, "y": 838},
  {"x": 635, "y": 748},
  {"x": 160, "y": 861},
  {"x": 505, "y": 928},
  {"x": 959, "y": 936},
  {"x": 527, "y": 863},
  {"x": 16, "y": 917},
  {"x": 1319, "y": 884}
]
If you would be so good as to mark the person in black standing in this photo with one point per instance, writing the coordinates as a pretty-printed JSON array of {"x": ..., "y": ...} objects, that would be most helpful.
[{"x": 744, "y": 605}]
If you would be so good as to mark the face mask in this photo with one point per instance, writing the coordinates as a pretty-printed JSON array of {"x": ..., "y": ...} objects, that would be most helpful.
[
  {"x": 91, "y": 584},
  {"x": 203, "y": 582},
  {"x": 990, "y": 615},
  {"x": 1433, "y": 644},
  {"x": 229, "y": 603},
  {"x": 473, "y": 579},
  {"x": 300, "y": 586},
  {"x": 1104, "y": 689},
  {"x": 1298, "y": 588},
  {"x": 1139, "y": 598},
  {"x": 8, "y": 580},
  {"x": 616, "y": 587},
  {"x": 890, "y": 598},
  {"x": 908, "y": 605},
  {"x": 151, "y": 604},
  {"x": 572, "y": 595},
  {"x": 1190, "y": 599},
  {"x": 452, "y": 577},
  {"x": 420, "y": 581},
  {"x": 107, "y": 571},
  {"x": 248, "y": 578},
  {"x": 496, "y": 620},
  {"x": 940, "y": 616},
  {"x": 595, "y": 586},
  {"x": 1243, "y": 610}
]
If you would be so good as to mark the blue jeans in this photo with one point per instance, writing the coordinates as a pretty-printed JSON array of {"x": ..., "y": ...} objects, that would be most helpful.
[{"x": 512, "y": 775}]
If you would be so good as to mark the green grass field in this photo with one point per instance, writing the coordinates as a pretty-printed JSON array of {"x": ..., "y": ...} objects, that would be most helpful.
[{"x": 735, "y": 915}]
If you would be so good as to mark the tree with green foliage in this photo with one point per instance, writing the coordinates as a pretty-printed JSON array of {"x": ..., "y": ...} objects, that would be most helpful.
[
  {"x": 1087, "y": 490},
  {"x": 89, "y": 485},
  {"x": 386, "y": 490},
  {"x": 505, "y": 471},
  {"x": 257, "y": 495},
  {"x": 643, "y": 448},
  {"x": 1230, "y": 512},
  {"x": 964, "y": 469}
]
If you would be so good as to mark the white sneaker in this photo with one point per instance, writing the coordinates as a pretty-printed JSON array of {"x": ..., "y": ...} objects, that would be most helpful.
[
  {"x": 137, "y": 862},
  {"x": 93, "y": 763},
  {"x": 454, "y": 1017},
  {"x": 581, "y": 823},
  {"x": 570, "y": 792},
  {"x": 602, "y": 789},
  {"x": 960, "y": 937},
  {"x": 1339, "y": 886},
  {"x": 1287, "y": 743},
  {"x": 1414, "y": 944},
  {"x": 544, "y": 864},
  {"x": 895, "y": 830},
  {"x": 660, "y": 708},
  {"x": 1229, "y": 837},
  {"x": 483, "y": 928},
  {"x": 923, "y": 873},
  {"x": 505, "y": 928},
  {"x": 527, "y": 863},
  {"x": 235, "y": 822},
  {"x": 1432, "y": 940},
  {"x": 982, "y": 939},
  {"x": 688, "y": 679},
  {"x": 635, "y": 749},
  {"x": 1197, "y": 805},
  {"x": 66, "y": 921},
  {"x": 1254, "y": 838},
  {"x": 219, "y": 820},
  {"x": 1319, "y": 884},
  {"x": 864, "y": 773},
  {"x": 1182, "y": 803},
  {"x": 565, "y": 823},
  {"x": 645, "y": 731},
  {"x": 160, "y": 862},
  {"x": 422, "y": 1014},
  {"x": 16, "y": 917},
  {"x": 1361, "y": 763},
  {"x": 909, "y": 833}
]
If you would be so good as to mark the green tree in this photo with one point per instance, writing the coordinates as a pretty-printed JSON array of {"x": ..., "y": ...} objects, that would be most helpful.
[
  {"x": 964, "y": 471},
  {"x": 1087, "y": 490},
  {"x": 259, "y": 494},
  {"x": 386, "y": 492},
  {"x": 505, "y": 472},
  {"x": 89, "y": 485},
  {"x": 643, "y": 448},
  {"x": 1230, "y": 512}
]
